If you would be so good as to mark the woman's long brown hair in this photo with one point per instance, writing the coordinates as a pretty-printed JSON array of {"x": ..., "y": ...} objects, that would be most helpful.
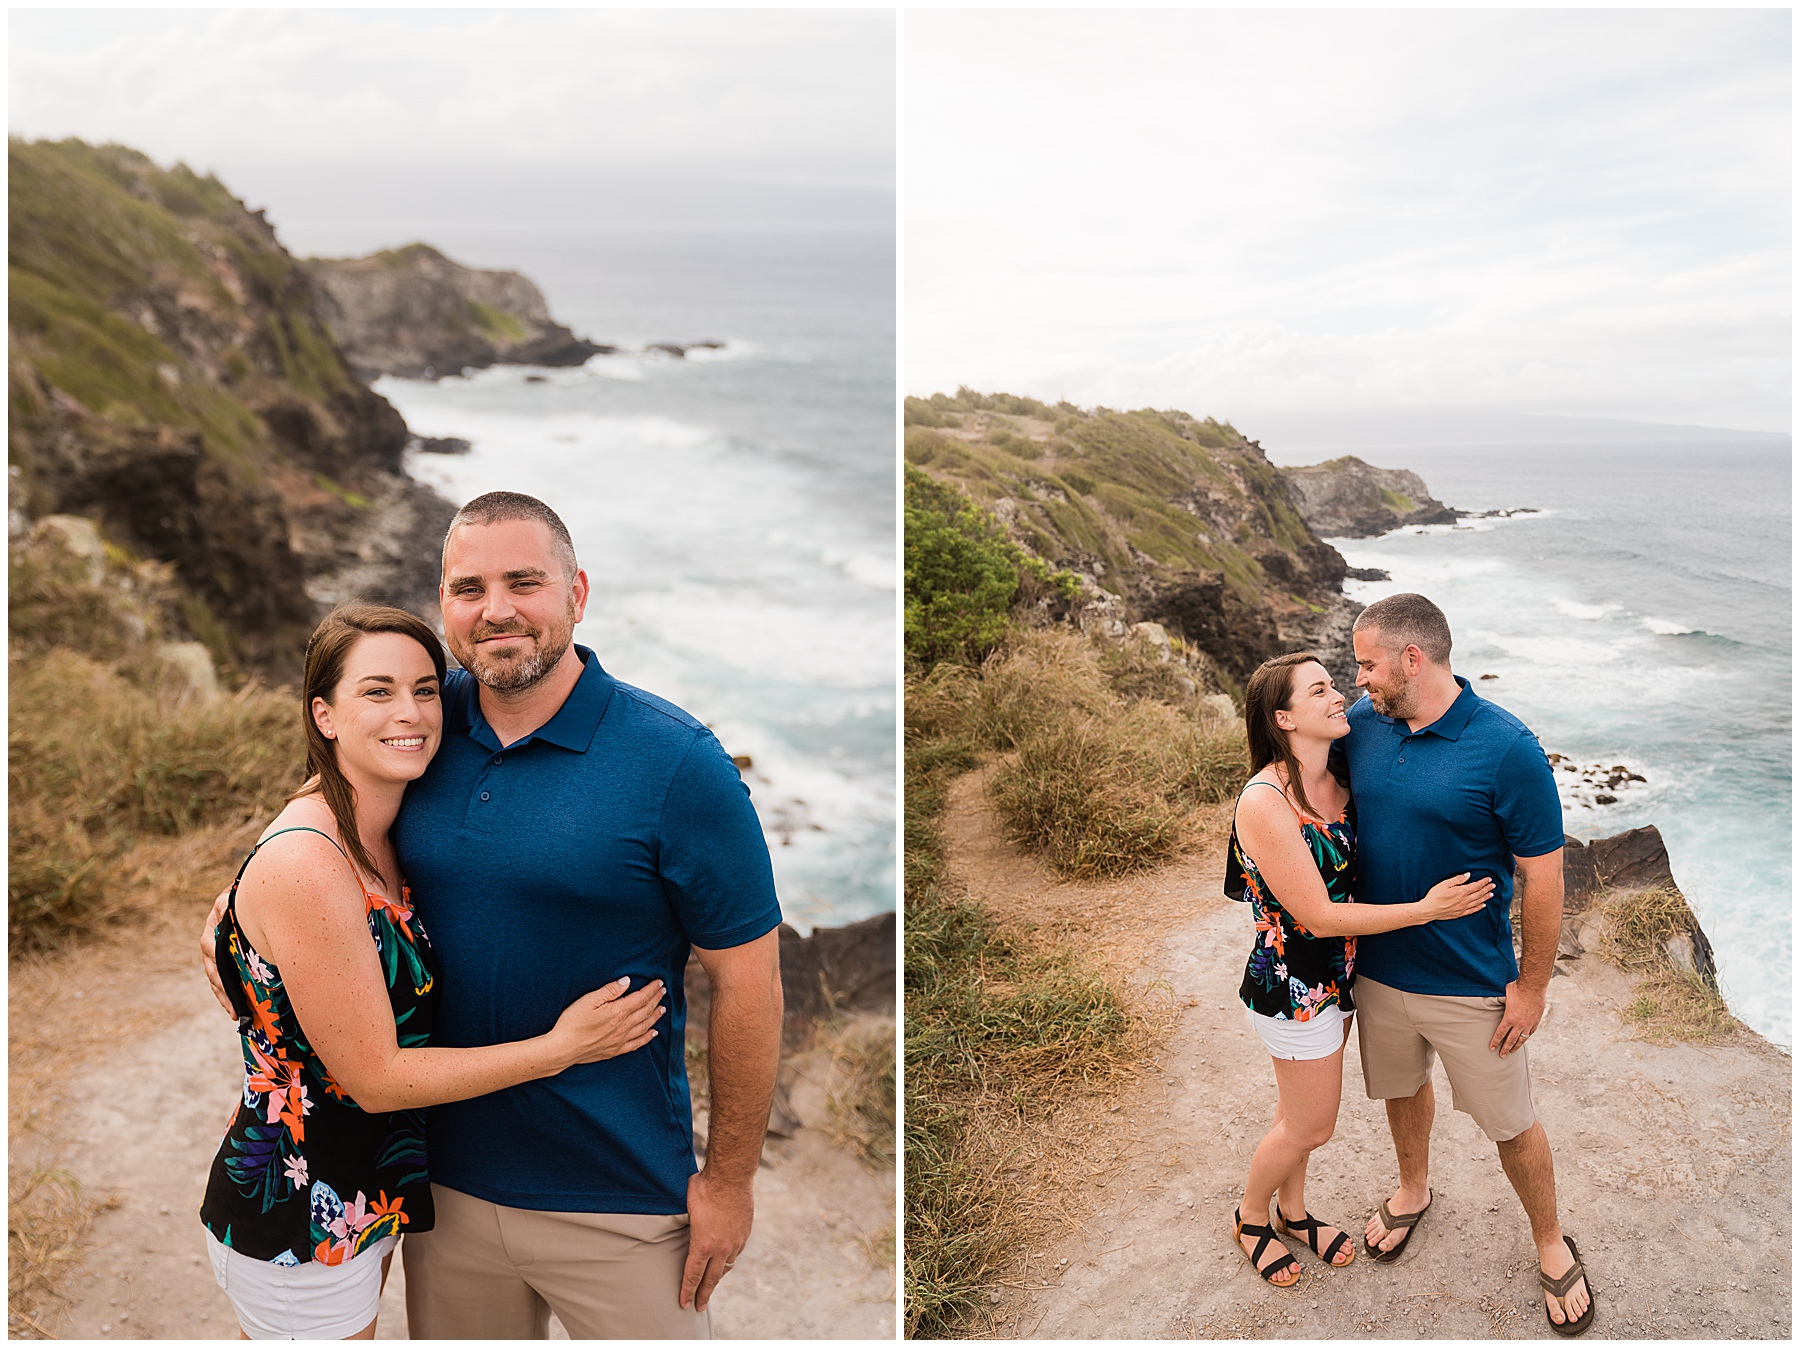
[
  {"x": 1271, "y": 689},
  {"x": 327, "y": 652}
]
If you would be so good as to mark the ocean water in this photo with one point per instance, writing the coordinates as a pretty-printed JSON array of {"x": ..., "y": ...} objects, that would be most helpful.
[
  {"x": 734, "y": 510},
  {"x": 1642, "y": 617}
]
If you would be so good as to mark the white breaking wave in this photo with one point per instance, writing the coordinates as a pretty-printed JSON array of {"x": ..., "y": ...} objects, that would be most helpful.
[{"x": 1586, "y": 612}]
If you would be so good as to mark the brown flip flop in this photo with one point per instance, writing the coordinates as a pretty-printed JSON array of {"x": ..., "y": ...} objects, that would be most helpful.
[
  {"x": 1559, "y": 1288},
  {"x": 1403, "y": 1221}
]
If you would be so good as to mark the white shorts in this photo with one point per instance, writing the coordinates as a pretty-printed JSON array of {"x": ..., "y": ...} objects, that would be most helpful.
[
  {"x": 301, "y": 1301},
  {"x": 1300, "y": 1040}
]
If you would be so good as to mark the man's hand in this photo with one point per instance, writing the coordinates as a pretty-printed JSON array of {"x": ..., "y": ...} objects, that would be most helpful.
[
  {"x": 1539, "y": 894},
  {"x": 743, "y": 1050},
  {"x": 209, "y": 939},
  {"x": 719, "y": 1215},
  {"x": 1524, "y": 1009}
]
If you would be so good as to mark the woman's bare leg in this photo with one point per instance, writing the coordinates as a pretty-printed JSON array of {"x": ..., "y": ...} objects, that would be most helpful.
[{"x": 1308, "y": 1094}]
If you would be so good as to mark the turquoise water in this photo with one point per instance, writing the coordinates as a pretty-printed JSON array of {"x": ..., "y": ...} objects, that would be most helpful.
[
  {"x": 734, "y": 511},
  {"x": 1643, "y": 617}
]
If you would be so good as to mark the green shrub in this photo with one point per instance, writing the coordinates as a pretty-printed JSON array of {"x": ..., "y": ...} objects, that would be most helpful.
[{"x": 961, "y": 574}]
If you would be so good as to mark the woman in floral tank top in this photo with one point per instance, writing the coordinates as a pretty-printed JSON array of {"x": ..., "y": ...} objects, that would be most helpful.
[
  {"x": 1294, "y": 842},
  {"x": 330, "y": 972}
]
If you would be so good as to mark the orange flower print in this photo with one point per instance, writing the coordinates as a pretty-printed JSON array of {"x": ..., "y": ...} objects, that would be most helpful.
[{"x": 280, "y": 1081}]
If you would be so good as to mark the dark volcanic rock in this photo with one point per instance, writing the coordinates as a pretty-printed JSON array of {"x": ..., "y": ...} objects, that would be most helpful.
[
  {"x": 1347, "y": 498},
  {"x": 414, "y": 313},
  {"x": 1636, "y": 859},
  {"x": 834, "y": 969},
  {"x": 1632, "y": 860}
]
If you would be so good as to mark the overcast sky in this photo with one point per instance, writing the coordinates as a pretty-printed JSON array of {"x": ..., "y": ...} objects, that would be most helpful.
[
  {"x": 1271, "y": 214},
  {"x": 553, "y": 118}
]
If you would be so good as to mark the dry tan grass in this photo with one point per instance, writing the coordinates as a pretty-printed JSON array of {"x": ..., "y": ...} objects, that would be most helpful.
[
  {"x": 1671, "y": 1003},
  {"x": 862, "y": 1106},
  {"x": 68, "y": 1007},
  {"x": 98, "y": 762},
  {"x": 47, "y": 1214}
]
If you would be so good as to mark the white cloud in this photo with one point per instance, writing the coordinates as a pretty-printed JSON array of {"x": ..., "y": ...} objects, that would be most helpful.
[
  {"x": 1580, "y": 212},
  {"x": 799, "y": 96}
]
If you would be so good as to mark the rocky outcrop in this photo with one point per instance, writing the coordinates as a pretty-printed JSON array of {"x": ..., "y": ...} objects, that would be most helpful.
[
  {"x": 414, "y": 313},
  {"x": 1634, "y": 860},
  {"x": 1347, "y": 498},
  {"x": 1165, "y": 517}
]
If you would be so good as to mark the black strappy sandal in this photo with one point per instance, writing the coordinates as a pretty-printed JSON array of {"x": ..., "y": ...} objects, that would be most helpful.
[
  {"x": 1560, "y": 1288},
  {"x": 1265, "y": 1235},
  {"x": 1307, "y": 1228}
]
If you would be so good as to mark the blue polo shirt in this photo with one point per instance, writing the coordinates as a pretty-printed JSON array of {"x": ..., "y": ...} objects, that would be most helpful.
[
  {"x": 602, "y": 844},
  {"x": 1469, "y": 792}
]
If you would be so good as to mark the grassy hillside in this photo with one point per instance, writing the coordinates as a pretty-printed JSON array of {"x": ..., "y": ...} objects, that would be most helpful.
[
  {"x": 169, "y": 377},
  {"x": 1110, "y": 493}
]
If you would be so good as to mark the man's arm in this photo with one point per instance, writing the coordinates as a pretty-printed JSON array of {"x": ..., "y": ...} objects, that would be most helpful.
[
  {"x": 743, "y": 1053},
  {"x": 1540, "y": 899}
]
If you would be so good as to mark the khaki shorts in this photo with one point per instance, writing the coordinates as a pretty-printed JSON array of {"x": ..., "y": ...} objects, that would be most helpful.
[
  {"x": 1399, "y": 1033},
  {"x": 491, "y": 1272}
]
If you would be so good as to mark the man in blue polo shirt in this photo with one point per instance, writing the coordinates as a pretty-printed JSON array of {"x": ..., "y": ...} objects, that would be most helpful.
[
  {"x": 1446, "y": 782},
  {"x": 573, "y": 829}
]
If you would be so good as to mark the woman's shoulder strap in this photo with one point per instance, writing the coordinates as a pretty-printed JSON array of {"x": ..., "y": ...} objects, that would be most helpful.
[
  {"x": 1258, "y": 781},
  {"x": 303, "y": 828}
]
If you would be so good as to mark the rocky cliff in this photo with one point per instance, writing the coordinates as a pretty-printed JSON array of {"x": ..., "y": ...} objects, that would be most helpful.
[
  {"x": 413, "y": 312},
  {"x": 1167, "y": 518},
  {"x": 1347, "y": 498},
  {"x": 172, "y": 378}
]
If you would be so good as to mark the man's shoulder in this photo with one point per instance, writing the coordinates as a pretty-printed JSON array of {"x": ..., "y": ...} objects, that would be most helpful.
[
  {"x": 1491, "y": 719},
  {"x": 654, "y": 713}
]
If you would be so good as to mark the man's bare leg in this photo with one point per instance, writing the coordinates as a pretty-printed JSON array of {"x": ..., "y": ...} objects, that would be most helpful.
[
  {"x": 1529, "y": 1166},
  {"x": 1409, "y": 1120}
]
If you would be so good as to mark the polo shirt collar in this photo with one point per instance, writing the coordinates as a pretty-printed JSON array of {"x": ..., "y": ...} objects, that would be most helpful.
[
  {"x": 1452, "y": 723},
  {"x": 571, "y": 728},
  {"x": 1455, "y": 719}
]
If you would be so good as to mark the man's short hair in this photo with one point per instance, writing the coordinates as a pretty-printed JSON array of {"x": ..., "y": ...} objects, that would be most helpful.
[
  {"x": 499, "y": 507},
  {"x": 1410, "y": 620}
]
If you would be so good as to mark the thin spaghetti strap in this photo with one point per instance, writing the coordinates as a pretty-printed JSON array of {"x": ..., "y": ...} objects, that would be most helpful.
[
  {"x": 305, "y": 828},
  {"x": 1257, "y": 781}
]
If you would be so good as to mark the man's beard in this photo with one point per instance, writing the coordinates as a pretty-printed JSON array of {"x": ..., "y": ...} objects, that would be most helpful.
[
  {"x": 504, "y": 675},
  {"x": 1396, "y": 704}
]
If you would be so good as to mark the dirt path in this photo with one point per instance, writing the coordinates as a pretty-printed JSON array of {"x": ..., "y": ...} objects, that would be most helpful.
[
  {"x": 135, "y": 1113},
  {"x": 1673, "y": 1162}
]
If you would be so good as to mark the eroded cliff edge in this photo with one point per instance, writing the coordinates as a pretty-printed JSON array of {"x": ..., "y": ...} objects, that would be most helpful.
[
  {"x": 1168, "y": 520},
  {"x": 172, "y": 378}
]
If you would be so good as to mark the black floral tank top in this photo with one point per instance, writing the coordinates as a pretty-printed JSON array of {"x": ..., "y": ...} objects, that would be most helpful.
[
  {"x": 304, "y": 1174},
  {"x": 1292, "y": 974}
]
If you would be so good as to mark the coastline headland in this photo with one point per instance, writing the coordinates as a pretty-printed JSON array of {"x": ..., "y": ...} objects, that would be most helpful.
[
  {"x": 1189, "y": 542},
  {"x": 198, "y": 472}
]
